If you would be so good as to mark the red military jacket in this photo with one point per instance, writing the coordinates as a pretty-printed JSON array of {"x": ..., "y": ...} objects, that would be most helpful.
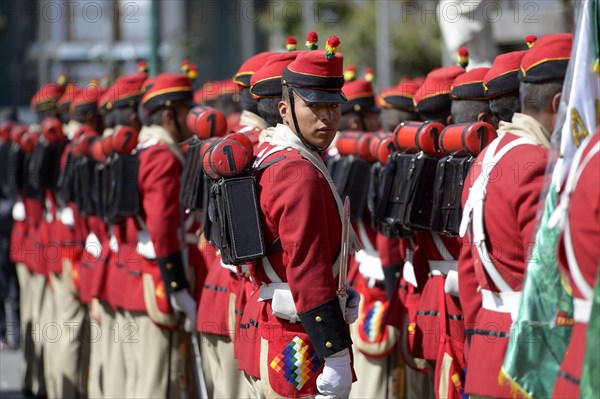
[
  {"x": 297, "y": 205},
  {"x": 510, "y": 208},
  {"x": 579, "y": 258},
  {"x": 161, "y": 218},
  {"x": 32, "y": 249},
  {"x": 216, "y": 310}
]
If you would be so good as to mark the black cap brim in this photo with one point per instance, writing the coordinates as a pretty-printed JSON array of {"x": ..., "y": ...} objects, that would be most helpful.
[{"x": 321, "y": 96}]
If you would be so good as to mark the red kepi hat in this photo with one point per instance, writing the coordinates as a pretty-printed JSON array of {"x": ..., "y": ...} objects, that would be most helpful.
[
  {"x": 317, "y": 76},
  {"x": 166, "y": 90},
  {"x": 266, "y": 82},
  {"x": 503, "y": 76},
  {"x": 547, "y": 59}
]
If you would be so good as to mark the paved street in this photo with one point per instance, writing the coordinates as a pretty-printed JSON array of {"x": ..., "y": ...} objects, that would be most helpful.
[{"x": 9, "y": 374}]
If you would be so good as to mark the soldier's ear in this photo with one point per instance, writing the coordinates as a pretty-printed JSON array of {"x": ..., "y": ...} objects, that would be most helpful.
[
  {"x": 556, "y": 102},
  {"x": 283, "y": 109},
  {"x": 355, "y": 123},
  {"x": 134, "y": 121},
  {"x": 449, "y": 120},
  {"x": 487, "y": 118}
]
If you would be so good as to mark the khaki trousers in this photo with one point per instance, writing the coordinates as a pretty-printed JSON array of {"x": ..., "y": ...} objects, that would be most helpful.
[
  {"x": 114, "y": 371},
  {"x": 66, "y": 342},
  {"x": 26, "y": 311},
  {"x": 223, "y": 378},
  {"x": 95, "y": 388},
  {"x": 253, "y": 386},
  {"x": 373, "y": 376},
  {"x": 151, "y": 367},
  {"x": 419, "y": 385},
  {"x": 41, "y": 306}
]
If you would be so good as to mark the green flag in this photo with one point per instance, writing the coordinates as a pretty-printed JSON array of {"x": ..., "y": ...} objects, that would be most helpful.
[
  {"x": 542, "y": 331},
  {"x": 590, "y": 383},
  {"x": 541, "y": 334}
]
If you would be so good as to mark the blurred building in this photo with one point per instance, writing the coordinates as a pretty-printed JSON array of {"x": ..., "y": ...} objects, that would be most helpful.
[{"x": 88, "y": 39}]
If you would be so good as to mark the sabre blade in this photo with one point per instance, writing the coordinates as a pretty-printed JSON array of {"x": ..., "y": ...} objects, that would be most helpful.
[{"x": 345, "y": 256}]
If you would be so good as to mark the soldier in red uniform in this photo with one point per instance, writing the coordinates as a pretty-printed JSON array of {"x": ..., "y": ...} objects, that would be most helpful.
[
  {"x": 160, "y": 241},
  {"x": 579, "y": 256},
  {"x": 434, "y": 253},
  {"x": 360, "y": 112},
  {"x": 396, "y": 104},
  {"x": 501, "y": 85},
  {"x": 223, "y": 296},
  {"x": 304, "y": 341},
  {"x": 500, "y": 207},
  {"x": 28, "y": 255}
]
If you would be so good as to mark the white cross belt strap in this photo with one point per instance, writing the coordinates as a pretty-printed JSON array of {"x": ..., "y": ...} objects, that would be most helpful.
[
  {"x": 501, "y": 302},
  {"x": 282, "y": 301},
  {"x": 93, "y": 246},
  {"x": 442, "y": 267},
  {"x": 560, "y": 216},
  {"x": 582, "y": 310},
  {"x": 474, "y": 207},
  {"x": 18, "y": 211}
]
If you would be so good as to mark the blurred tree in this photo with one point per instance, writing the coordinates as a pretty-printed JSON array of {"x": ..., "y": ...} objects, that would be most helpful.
[{"x": 415, "y": 40}]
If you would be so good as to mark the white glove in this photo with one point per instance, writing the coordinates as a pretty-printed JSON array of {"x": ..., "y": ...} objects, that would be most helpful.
[
  {"x": 183, "y": 302},
  {"x": 351, "y": 311},
  {"x": 336, "y": 379}
]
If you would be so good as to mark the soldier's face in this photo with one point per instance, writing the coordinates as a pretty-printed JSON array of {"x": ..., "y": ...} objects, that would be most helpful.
[{"x": 318, "y": 122}]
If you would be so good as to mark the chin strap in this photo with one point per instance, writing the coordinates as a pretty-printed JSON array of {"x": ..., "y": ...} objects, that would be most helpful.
[
  {"x": 297, "y": 127},
  {"x": 180, "y": 135},
  {"x": 362, "y": 121}
]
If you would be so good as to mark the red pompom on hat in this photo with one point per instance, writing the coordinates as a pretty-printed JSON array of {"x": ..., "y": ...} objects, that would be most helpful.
[
  {"x": 266, "y": 82},
  {"x": 469, "y": 85},
  {"x": 434, "y": 94},
  {"x": 350, "y": 73},
  {"x": 317, "y": 76},
  {"x": 167, "y": 89},
  {"x": 530, "y": 40},
  {"x": 503, "y": 76},
  {"x": 463, "y": 57},
  {"x": 291, "y": 44},
  {"x": 548, "y": 59},
  {"x": 400, "y": 96},
  {"x": 47, "y": 97},
  {"x": 251, "y": 65},
  {"x": 312, "y": 40}
]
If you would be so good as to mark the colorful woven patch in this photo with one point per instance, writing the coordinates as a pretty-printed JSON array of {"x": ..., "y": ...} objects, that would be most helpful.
[
  {"x": 296, "y": 362},
  {"x": 372, "y": 324}
]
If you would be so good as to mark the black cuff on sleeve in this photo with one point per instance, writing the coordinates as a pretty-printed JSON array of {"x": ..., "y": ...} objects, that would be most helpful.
[
  {"x": 326, "y": 328},
  {"x": 391, "y": 276},
  {"x": 172, "y": 272}
]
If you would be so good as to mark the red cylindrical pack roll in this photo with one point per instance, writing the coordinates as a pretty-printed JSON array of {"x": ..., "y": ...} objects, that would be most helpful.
[
  {"x": 228, "y": 158},
  {"x": 124, "y": 140},
  {"x": 5, "y": 130},
  {"x": 376, "y": 139},
  {"x": 85, "y": 143},
  {"x": 17, "y": 133},
  {"x": 412, "y": 137},
  {"x": 355, "y": 143},
  {"x": 52, "y": 130},
  {"x": 385, "y": 148},
  {"x": 466, "y": 139},
  {"x": 206, "y": 122},
  {"x": 28, "y": 141},
  {"x": 97, "y": 150},
  {"x": 107, "y": 147},
  {"x": 244, "y": 140}
]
